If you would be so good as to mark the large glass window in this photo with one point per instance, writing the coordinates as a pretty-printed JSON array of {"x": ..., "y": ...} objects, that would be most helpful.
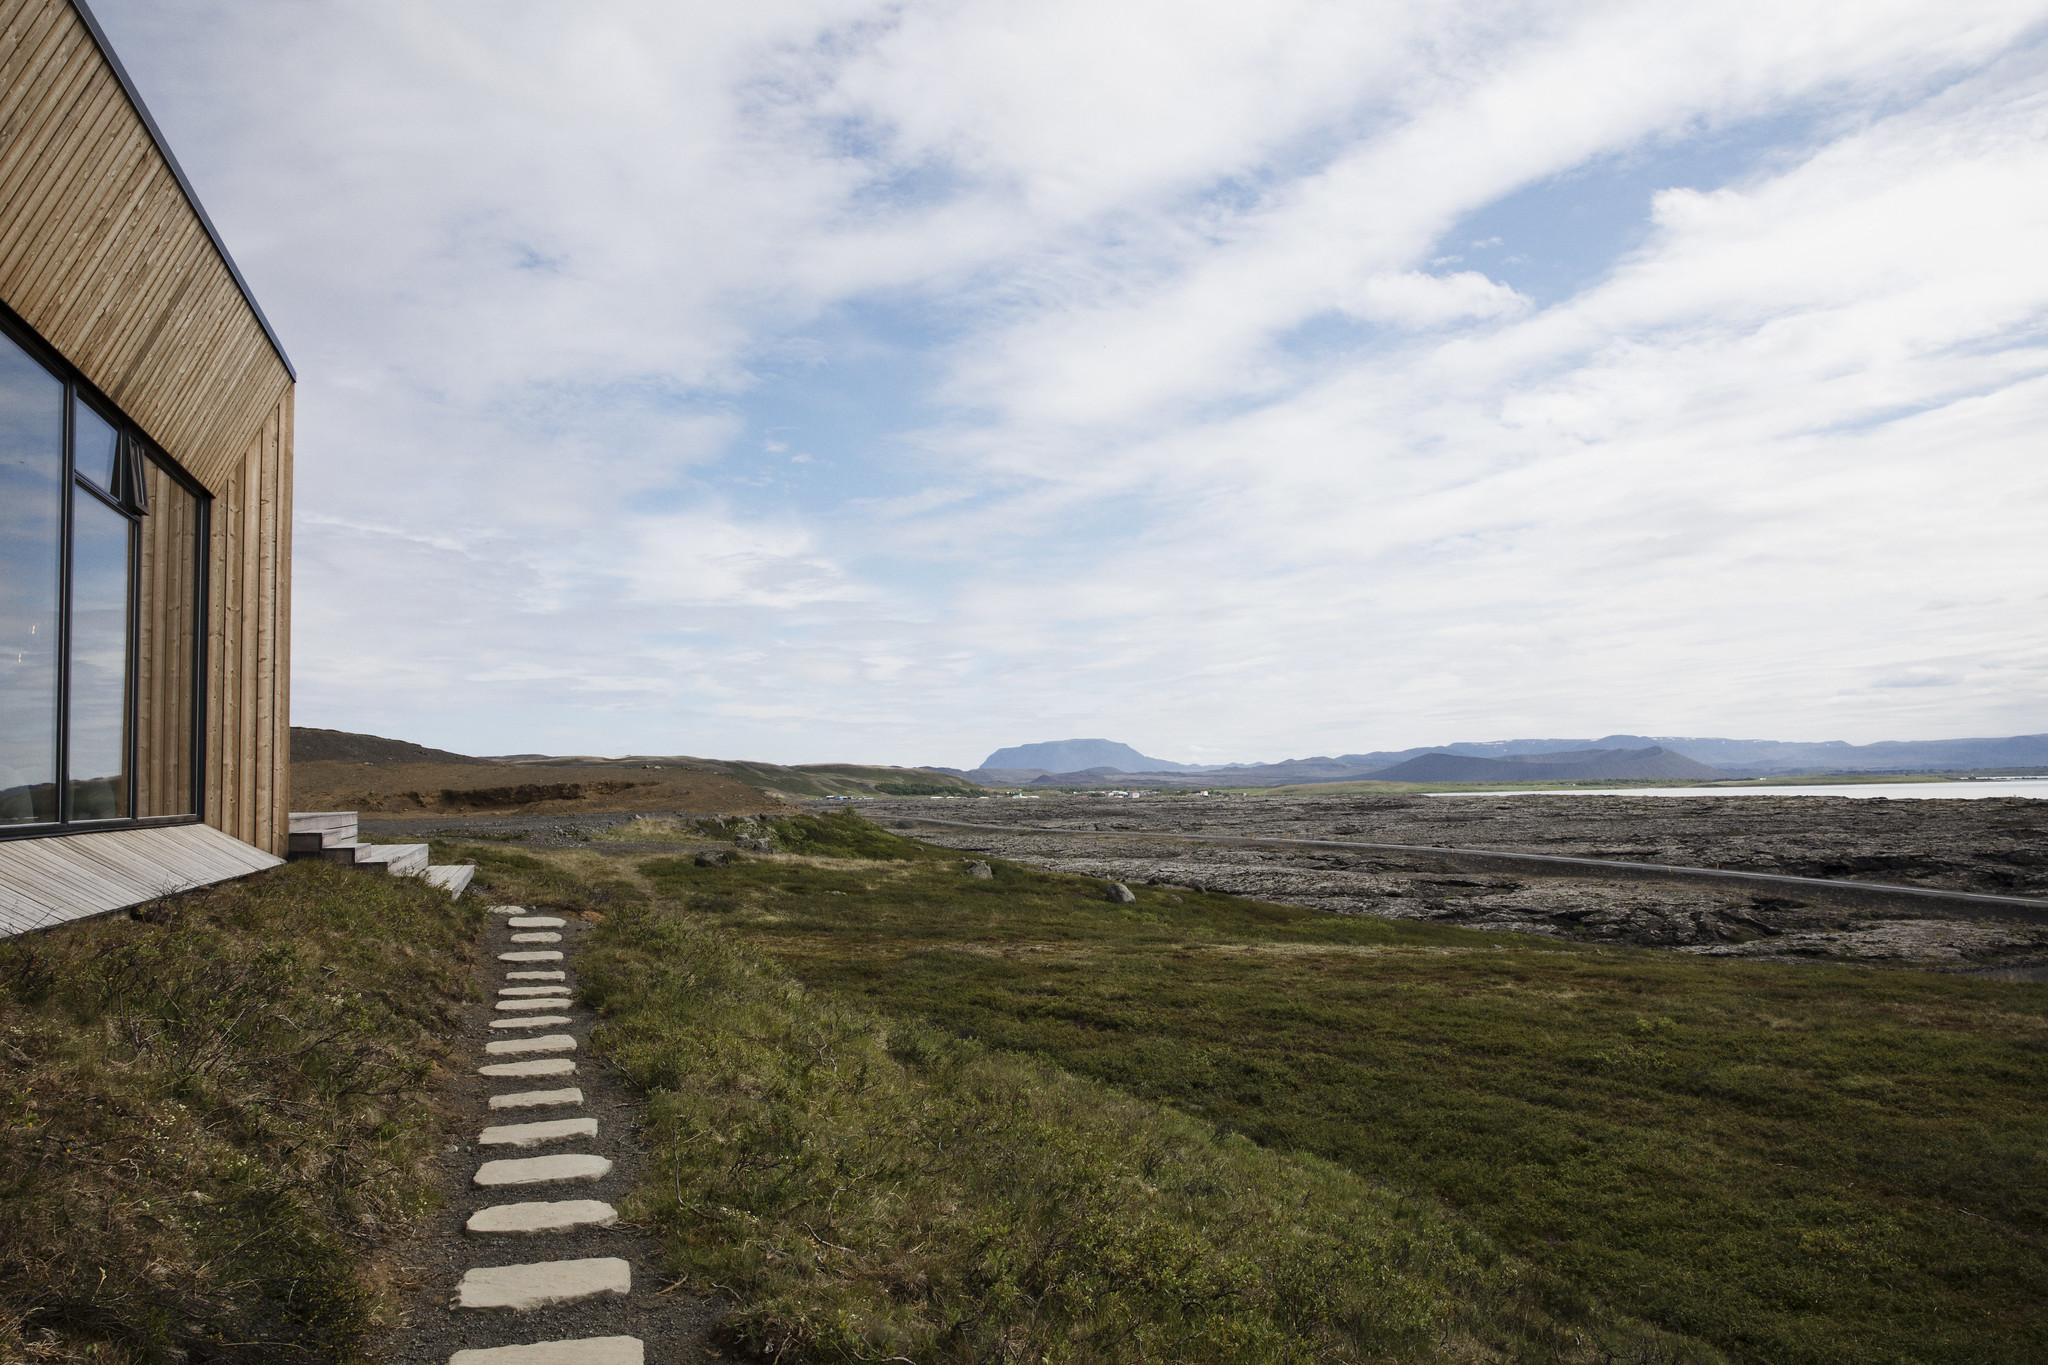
[
  {"x": 101, "y": 608},
  {"x": 31, "y": 541},
  {"x": 101, "y": 545},
  {"x": 167, "y": 653}
]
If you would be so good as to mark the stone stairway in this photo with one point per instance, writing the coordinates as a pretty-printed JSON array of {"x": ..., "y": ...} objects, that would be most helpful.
[
  {"x": 333, "y": 835},
  {"x": 538, "y": 1170}
]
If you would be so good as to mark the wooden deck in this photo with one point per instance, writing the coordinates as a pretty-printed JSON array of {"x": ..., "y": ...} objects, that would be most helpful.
[{"x": 46, "y": 882}]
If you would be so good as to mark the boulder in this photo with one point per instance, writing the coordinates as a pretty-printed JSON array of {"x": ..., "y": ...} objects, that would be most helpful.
[
  {"x": 714, "y": 857},
  {"x": 1120, "y": 893},
  {"x": 979, "y": 870}
]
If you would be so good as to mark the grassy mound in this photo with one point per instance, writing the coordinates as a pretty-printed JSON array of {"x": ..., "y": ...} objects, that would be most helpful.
[
  {"x": 872, "y": 1189},
  {"x": 212, "y": 1114}
]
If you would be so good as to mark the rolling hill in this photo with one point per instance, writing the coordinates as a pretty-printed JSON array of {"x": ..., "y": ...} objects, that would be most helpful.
[{"x": 337, "y": 769}]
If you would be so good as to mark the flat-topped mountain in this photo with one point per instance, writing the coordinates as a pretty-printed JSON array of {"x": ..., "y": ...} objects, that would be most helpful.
[{"x": 1078, "y": 755}]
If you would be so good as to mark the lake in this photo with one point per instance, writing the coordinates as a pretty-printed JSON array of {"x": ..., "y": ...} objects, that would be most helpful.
[{"x": 2035, "y": 787}]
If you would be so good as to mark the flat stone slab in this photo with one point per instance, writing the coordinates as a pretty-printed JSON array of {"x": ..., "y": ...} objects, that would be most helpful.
[
  {"x": 508, "y": 909},
  {"x": 544, "y": 936},
  {"x": 538, "y": 922},
  {"x": 582, "y": 1351},
  {"x": 533, "y": 955},
  {"x": 537, "y": 1099},
  {"x": 536, "y": 976},
  {"x": 539, "y": 1066},
  {"x": 533, "y": 1134},
  {"x": 532, "y": 990},
  {"x": 547, "y": 1042},
  {"x": 521, "y": 1287},
  {"x": 527, "y": 1004},
  {"x": 532, "y": 1021},
  {"x": 542, "y": 1170},
  {"x": 544, "y": 1215}
]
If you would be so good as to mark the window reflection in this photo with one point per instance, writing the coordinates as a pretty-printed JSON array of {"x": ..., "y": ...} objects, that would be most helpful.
[
  {"x": 95, "y": 447},
  {"x": 98, "y": 757},
  {"x": 167, "y": 691},
  {"x": 101, "y": 608},
  {"x": 31, "y": 516}
]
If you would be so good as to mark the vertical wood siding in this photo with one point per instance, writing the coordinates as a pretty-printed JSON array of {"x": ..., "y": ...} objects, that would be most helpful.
[
  {"x": 248, "y": 654},
  {"x": 102, "y": 254}
]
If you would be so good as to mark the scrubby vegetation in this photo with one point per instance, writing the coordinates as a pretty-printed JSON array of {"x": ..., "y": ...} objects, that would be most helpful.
[
  {"x": 213, "y": 1113},
  {"x": 866, "y": 1189},
  {"x": 1785, "y": 1163}
]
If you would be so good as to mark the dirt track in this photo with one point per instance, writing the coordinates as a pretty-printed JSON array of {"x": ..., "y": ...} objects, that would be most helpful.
[{"x": 1992, "y": 846}]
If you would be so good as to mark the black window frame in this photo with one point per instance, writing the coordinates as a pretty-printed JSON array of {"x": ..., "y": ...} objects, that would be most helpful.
[{"x": 130, "y": 499}]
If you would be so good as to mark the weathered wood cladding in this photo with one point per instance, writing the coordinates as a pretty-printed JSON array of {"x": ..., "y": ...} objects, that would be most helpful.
[
  {"x": 248, "y": 642},
  {"x": 102, "y": 254},
  {"x": 105, "y": 257}
]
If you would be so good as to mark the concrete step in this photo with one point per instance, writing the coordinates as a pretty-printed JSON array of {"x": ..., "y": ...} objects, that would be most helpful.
[
  {"x": 314, "y": 830},
  {"x": 563, "y": 1168},
  {"x": 400, "y": 860},
  {"x": 523, "y": 1288},
  {"x": 580, "y": 1351},
  {"x": 538, "y": 1099},
  {"x": 306, "y": 845},
  {"x": 321, "y": 821},
  {"x": 343, "y": 853},
  {"x": 543, "y": 1215},
  {"x": 539, "y": 1131},
  {"x": 454, "y": 878}
]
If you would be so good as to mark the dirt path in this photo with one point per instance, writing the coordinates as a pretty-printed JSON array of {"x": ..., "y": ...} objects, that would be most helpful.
[{"x": 527, "y": 1263}]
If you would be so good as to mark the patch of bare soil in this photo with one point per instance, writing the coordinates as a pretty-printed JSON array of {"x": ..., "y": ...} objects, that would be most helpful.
[{"x": 1997, "y": 846}]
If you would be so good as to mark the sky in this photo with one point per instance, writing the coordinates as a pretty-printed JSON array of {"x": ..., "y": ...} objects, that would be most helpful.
[{"x": 838, "y": 380}]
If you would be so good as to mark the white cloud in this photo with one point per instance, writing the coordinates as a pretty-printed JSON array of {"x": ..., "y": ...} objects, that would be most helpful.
[
  {"x": 1412, "y": 298},
  {"x": 539, "y": 266}
]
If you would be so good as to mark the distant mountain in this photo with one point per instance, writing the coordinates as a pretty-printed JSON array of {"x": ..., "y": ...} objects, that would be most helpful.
[
  {"x": 1576, "y": 765},
  {"x": 1734, "y": 757},
  {"x": 1759, "y": 756},
  {"x": 1079, "y": 755},
  {"x": 311, "y": 745},
  {"x": 1101, "y": 762}
]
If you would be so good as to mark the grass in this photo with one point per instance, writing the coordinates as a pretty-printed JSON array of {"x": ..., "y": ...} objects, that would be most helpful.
[
  {"x": 1789, "y": 1164},
  {"x": 214, "y": 1113},
  {"x": 866, "y": 1188}
]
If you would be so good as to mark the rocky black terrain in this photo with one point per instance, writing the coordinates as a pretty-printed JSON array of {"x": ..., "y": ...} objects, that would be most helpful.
[{"x": 1989, "y": 846}]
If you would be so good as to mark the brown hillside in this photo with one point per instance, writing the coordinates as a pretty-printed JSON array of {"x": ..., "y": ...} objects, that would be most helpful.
[{"x": 471, "y": 787}]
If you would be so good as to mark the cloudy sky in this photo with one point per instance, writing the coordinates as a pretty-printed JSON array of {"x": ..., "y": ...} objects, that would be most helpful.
[{"x": 838, "y": 379}]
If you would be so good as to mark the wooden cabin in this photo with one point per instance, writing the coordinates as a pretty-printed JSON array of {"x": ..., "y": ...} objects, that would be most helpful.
[{"x": 145, "y": 503}]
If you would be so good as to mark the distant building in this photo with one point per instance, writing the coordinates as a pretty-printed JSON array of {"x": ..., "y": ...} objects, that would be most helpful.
[{"x": 145, "y": 505}]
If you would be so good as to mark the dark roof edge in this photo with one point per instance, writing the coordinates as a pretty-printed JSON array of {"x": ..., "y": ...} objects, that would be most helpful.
[{"x": 99, "y": 36}]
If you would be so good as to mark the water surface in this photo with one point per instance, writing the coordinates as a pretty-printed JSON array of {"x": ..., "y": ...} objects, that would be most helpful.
[{"x": 1975, "y": 790}]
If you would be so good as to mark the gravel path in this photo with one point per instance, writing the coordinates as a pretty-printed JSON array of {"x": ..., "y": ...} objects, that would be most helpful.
[{"x": 528, "y": 1264}]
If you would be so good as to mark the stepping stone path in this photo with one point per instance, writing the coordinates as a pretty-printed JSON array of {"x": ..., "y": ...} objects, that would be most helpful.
[{"x": 553, "y": 1181}]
